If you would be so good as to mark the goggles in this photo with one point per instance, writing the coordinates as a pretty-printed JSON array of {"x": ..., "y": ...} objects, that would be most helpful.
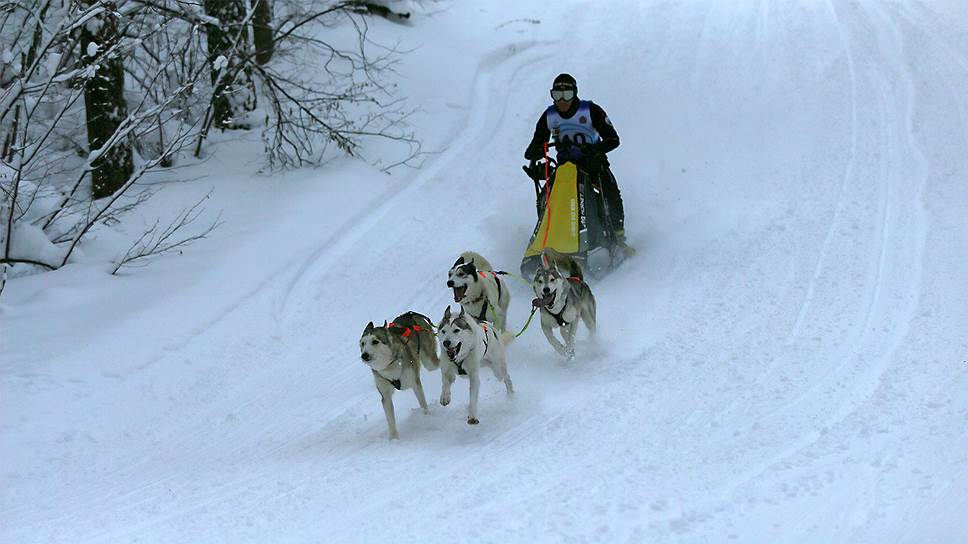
[{"x": 562, "y": 94}]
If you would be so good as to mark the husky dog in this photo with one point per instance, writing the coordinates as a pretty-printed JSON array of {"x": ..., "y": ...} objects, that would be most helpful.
[
  {"x": 470, "y": 344},
  {"x": 564, "y": 298},
  {"x": 479, "y": 290},
  {"x": 394, "y": 353}
]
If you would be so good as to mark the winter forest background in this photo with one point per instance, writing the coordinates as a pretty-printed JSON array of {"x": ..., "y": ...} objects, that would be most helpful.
[
  {"x": 98, "y": 94},
  {"x": 203, "y": 203}
]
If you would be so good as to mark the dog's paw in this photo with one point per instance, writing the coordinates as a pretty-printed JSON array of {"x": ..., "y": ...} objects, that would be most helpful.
[
  {"x": 444, "y": 401},
  {"x": 395, "y": 436},
  {"x": 472, "y": 421}
]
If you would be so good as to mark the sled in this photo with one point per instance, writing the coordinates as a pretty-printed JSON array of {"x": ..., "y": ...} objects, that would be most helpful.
[{"x": 572, "y": 218}]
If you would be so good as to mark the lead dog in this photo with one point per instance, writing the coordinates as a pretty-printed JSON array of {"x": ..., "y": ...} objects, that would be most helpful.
[
  {"x": 470, "y": 344},
  {"x": 563, "y": 298},
  {"x": 479, "y": 290},
  {"x": 394, "y": 352}
]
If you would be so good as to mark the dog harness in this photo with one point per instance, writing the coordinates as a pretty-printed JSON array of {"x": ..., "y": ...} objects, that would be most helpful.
[
  {"x": 407, "y": 331},
  {"x": 561, "y": 322},
  {"x": 395, "y": 383},
  {"x": 484, "y": 307},
  {"x": 483, "y": 316}
]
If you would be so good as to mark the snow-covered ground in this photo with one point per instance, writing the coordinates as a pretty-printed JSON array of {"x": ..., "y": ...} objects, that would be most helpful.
[{"x": 785, "y": 360}]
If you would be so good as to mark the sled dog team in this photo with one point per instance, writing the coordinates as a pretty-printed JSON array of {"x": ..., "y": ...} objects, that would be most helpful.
[{"x": 475, "y": 337}]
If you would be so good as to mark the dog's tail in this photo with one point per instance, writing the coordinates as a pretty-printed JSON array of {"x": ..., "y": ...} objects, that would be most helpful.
[
  {"x": 507, "y": 337},
  {"x": 473, "y": 257},
  {"x": 427, "y": 342},
  {"x": 430, "y": 360}
]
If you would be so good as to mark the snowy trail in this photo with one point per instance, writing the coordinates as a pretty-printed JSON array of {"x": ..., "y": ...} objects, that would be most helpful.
[{"x": 783, "y": 361}]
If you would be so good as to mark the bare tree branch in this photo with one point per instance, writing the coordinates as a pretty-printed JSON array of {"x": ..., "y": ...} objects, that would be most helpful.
[{"x": 155, "y": 241}]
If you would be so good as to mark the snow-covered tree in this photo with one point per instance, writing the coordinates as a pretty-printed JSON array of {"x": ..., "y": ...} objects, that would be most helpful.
[
  {"x": 104, "y": 104},
  {"x": 145, "y": 79},
  {"x": 233, "y": 91},
  {"x": 262, "y": 38}
]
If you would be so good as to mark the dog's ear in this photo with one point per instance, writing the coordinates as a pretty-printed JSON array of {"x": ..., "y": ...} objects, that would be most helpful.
[
  {"x": 458, "y": 262},
  {"x": 447, "y": 313},
  {"x": 384, "y": 323},
  {"x": 461, "y": 314},
  {"x": 369, "y": 328}
]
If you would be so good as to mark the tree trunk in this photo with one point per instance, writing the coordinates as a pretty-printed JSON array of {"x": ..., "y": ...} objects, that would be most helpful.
[
  {"x": 262, "y": 31},
  {"x": 233, "y": 88},
  {"x": 105, "y": 105}
]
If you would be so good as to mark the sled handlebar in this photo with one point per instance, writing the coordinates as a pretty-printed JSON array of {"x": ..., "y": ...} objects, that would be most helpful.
[
  {"x": 536, "y": 168},
  {"x": 542, "y": 168}
]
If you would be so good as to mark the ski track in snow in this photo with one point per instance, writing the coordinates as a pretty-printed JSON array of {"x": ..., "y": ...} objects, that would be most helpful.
[
  {"x": 780, "y": 363},
  {"x": 338, "y": 248}
]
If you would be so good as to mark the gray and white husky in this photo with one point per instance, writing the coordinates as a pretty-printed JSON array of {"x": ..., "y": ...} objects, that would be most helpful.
[
  {"x": 564, "y": 298},
  {"x": 479, "y": 290},
  {"x": 394, "y": 352},
  {"x": 470, "y": 344}
]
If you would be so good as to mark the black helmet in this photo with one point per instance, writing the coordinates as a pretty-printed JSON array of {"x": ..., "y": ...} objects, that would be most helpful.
[
  {"x": 564, "y": 87},
  {"x": 565, "y": 81}
]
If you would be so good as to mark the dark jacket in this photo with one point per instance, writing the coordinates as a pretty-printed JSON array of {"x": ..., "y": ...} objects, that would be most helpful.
[{"x": 600, "y": 122}]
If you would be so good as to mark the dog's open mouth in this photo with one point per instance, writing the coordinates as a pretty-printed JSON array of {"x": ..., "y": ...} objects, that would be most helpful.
[
  {"x": 544, "y": 301},
  {"x": 459, "y": 293},
  {"x": 452, "y": 352}
]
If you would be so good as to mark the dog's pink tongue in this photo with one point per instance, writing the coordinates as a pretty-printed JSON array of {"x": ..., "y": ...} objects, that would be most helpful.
[{"x": 538, "y": 302}]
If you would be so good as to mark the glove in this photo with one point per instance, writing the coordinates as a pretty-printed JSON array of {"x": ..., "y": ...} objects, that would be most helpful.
[
  {"x": 569, "y": 152},
  {"x": 533, "y": 153},
  {"x": 591, "y": 150}
]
